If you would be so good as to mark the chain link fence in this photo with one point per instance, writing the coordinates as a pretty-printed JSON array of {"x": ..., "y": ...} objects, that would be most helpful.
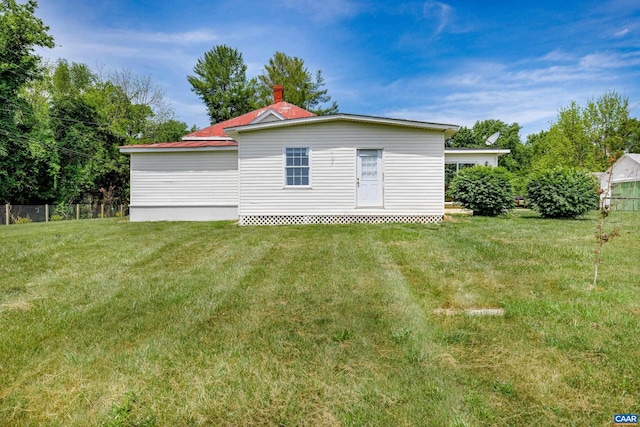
[
  {"x": 623, "y": 203},
  {"x": 20, "y": 214}
]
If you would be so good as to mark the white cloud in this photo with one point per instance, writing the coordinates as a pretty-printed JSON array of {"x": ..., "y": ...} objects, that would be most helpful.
[
  {"x": 597, "y": 61},
  {"x": 326, "y": 11},
  {"x": 180, "y": 38},
  {"x": 622, "y": 32},
  {"x": 558, "y": 56},
  {"x": 529, "y": 96},
  {"x": 440, "y": 11}
]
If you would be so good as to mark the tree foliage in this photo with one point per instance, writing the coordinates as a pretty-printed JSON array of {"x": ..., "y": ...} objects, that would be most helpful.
[
  {"x": 71, "y": 79},
  {"x": 519, "y": 158},
  {"x": 587, "y": 137},
  {"x": 72, "y": 122},
  {"x": 562, "y": 192},
  {"x": 167, "y": 131},
  {"x": 300, "y": 87},
  {"x": 631, "y": 136},
  {"x": 486, "y": 190},
  {"x": 20, "y": 33},
  {"x": 221, "y": 82}
]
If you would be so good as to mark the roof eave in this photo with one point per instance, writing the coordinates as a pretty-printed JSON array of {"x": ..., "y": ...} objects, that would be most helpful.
[
  {"x": 207, "y": 138},
  {"x": 498, "y": 151},
  {"x": 129, "y": 150},
  {"x": 447, "y": 129}
]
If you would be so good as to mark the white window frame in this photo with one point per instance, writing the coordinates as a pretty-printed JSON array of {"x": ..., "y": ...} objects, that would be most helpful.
[
  {"x": 285, "y": 167},
  {"x": 464, "y": 165}
]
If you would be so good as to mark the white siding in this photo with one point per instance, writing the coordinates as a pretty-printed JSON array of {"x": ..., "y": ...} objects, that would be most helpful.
[
  {"x": 182, "y": 213},
  {"x": 475, "y": 158},
  {"x": 413, "y": 164},
  {"x": 192, "y": 179}
]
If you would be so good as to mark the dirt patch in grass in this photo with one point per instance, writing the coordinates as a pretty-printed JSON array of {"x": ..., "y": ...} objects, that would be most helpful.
[{"x": 16, "y": 306}]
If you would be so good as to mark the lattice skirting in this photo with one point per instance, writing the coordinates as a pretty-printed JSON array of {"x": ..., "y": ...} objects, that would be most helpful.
[{"x": 336, "y": 219}]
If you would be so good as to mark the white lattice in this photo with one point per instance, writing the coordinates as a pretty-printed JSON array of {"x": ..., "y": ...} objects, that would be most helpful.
[{"x": 336, "y": 219}]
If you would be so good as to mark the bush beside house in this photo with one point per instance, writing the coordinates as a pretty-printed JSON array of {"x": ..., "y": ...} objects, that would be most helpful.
[
  {"x": 563, "y": 193},
  {"x": 485, "y": 190}
]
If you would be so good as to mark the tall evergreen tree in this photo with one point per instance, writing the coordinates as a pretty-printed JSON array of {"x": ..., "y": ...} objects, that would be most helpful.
[
  {"x": 300, "y": 88},
  {"x": 221, "y": 82}
]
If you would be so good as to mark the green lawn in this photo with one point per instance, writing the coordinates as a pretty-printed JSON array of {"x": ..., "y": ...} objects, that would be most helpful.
[{"x": 106, "y": 322}]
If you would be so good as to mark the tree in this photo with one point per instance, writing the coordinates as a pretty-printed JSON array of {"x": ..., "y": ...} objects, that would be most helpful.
[
  {"x": 72, "y": 79},
  {"x": 605, "y": 119},
  {"x": 464, "y": 138},
  {"x": 518, "y": 161},
  {"x": 168, "y": 131},
  {"x": 87, "y": 152},
  {"x": 144, "y": 96},
  {"x": 77, "y": 122},
  {"x": 631, "y": 136},
  {"x": 590, "y": 137},
  {"x": 221, "y": 83},
  {"x": 299, "y": 86},
  {"x": 20, "y": 33}
]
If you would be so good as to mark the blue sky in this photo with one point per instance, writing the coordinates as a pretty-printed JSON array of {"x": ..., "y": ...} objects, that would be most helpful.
[{"x": 452, "y": 62}]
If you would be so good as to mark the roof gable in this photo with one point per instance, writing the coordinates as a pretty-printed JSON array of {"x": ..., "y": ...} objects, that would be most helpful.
[
  {"x": 634, "y": 156},
  {"x": 268, "y": 116},
  {"x": 626, "y": 168}
]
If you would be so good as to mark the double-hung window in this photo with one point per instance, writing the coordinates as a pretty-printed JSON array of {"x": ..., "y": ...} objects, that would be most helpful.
[{"x": 297, "y": 169}]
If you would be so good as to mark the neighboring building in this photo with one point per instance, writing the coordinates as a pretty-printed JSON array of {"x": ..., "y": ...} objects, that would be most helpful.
[
  {"x": 460, "y": 158},
  {"x": 620, "y": 184},
  {"x": 283, "y": 165}
]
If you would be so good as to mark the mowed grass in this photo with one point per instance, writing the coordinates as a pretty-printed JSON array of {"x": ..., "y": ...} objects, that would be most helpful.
[{"x": 106, "y": 322}]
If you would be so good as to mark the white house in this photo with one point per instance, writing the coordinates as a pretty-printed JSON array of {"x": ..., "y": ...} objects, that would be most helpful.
[
  {"x": 283, "y": 165},
  {"x": 620, "y": 184},
  {"x": 341, "y": 168}
]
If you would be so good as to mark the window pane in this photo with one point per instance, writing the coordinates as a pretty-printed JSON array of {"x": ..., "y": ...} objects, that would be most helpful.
[
  {"x": 297, "y": 166},
  {"x": 369, "y": 168}
]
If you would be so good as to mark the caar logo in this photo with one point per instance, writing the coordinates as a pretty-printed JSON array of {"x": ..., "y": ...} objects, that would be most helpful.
[{"x": 625, "y": 419}]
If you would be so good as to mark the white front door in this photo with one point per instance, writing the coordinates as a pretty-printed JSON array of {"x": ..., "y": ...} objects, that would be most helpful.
[{"x": 369, "y": 178}]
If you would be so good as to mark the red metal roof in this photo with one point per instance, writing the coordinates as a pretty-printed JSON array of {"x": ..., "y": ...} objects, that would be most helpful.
[
  {"x": 286, "y": 110},
  {"x": 216, "y": 133}
]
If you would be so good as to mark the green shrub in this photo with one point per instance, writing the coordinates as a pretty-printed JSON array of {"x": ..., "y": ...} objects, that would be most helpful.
[
  {"x": 562, "y": 193},
  {"x": 22, "y": 220},
  {"x": 56, "y": 217},
  {"x": 486, "y": 190}
]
